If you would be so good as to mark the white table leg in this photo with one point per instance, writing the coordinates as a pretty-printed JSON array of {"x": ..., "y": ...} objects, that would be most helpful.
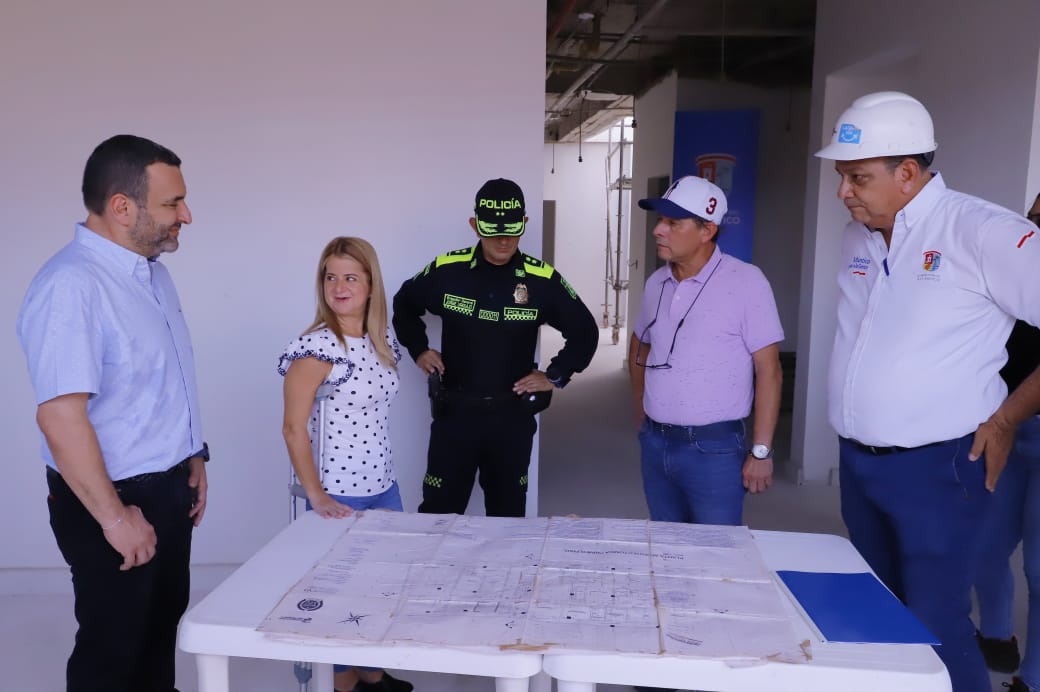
[
  {"x": 212, "y": 672},
  {"x": 541, "y": 682},
  {"x": 512, "y": 684},
  {"x": 571, "y": 686},
  {"x": 322, "y": 677}
]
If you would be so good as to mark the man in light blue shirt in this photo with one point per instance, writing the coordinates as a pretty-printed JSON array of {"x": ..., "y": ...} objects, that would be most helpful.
[{"x": 114, "y": 375}]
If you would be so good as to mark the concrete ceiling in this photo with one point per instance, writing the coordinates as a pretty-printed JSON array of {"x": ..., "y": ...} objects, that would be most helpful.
[{"x": 599, "y": 51}]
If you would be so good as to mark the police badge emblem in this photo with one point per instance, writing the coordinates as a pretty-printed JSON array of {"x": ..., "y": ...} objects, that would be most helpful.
[{"x": 520, "y": 294}]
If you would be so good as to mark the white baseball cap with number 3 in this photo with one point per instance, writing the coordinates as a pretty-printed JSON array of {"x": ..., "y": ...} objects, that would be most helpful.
[{"x": 687, "y": 197}]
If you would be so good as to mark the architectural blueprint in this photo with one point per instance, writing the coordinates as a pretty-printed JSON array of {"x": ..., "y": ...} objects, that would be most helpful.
[{"x": 541, "y": 583}]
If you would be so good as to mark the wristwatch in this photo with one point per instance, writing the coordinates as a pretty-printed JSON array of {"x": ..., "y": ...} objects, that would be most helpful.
[
  {"x": 761, "y": 452},
  {"x": 557, "y": 381}
]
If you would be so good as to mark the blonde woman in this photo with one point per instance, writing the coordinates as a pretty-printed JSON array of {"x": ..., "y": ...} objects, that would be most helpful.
[{"x": 352, "y": 351}]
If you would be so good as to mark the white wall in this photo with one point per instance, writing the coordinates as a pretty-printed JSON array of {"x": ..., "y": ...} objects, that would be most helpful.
[
  {"x": 295, "y": 124},
  {"x": 582, "y": 209},
  {"x": 651, "y": 157},
  {"x": 975, "y": 68}
]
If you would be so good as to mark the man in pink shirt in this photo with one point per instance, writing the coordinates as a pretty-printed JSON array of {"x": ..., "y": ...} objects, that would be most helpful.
[{"x": 704, "y": 346}]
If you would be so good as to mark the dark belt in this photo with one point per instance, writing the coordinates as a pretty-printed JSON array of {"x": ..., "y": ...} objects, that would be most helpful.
[
  {"x": 154, "y": 476},
  {"x": 879, "y": 451},
  {"x": 479, "y": 402},
  {"x": 704, "y": 432},
  {"x": 143, "y": 477}
]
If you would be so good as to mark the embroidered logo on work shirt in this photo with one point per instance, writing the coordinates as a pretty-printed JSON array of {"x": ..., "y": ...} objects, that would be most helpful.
[
  {"x": 932, "y": 260},
  {"x": 859, "y": 266}
]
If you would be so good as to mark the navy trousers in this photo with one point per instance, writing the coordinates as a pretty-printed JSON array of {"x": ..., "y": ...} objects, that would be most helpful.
[{"x": 916, "y": 516}]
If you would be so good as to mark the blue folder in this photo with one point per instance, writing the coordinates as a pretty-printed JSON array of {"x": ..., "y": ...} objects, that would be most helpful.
[{"x": 855, "y": 607}]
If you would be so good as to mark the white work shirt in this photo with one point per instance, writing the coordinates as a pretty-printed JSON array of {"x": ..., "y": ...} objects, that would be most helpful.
[{"x": 922, "y": 324}]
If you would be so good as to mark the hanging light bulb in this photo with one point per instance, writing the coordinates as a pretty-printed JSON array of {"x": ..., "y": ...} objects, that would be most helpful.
[{"x": 581, "y": 120}]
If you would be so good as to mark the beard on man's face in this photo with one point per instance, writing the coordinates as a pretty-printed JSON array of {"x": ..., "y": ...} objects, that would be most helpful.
[{"x": 151, "y": 238}]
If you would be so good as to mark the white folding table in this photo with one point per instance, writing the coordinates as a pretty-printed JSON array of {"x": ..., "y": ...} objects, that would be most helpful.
[
  {"x": 224, "y": 624},
  {"x": 834, "y": 666}
]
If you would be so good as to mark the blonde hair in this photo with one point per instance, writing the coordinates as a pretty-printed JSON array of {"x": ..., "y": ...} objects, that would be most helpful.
[{"x": 375, "y": 324}]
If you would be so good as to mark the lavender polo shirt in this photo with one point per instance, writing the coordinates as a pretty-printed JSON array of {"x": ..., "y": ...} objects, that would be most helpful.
[{"x": 712, "y": 371}]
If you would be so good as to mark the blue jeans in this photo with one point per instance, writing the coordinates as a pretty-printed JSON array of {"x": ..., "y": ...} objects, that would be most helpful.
[
  {"x": 1014, "y": 516},
  {"x": 916, "y": 517},
  {"x": 388, "y": 499},
  {"x": 694, "y": 474}
]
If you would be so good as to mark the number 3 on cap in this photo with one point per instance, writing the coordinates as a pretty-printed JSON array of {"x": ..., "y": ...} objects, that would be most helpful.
[{"x": 711, "y": 205}]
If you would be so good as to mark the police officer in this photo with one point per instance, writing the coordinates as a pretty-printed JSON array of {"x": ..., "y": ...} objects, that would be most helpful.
[{"x": 491, "y": 299}]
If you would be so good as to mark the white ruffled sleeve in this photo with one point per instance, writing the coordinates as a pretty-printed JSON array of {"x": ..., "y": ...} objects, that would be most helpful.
[{"x": 323, "y": 346}]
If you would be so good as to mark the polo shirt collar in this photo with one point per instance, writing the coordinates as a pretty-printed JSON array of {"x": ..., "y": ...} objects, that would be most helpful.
[{"x": 706, "y": 270}]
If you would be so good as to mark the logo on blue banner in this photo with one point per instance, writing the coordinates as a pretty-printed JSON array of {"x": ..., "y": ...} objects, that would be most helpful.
[{"x": 722, "y": 147}]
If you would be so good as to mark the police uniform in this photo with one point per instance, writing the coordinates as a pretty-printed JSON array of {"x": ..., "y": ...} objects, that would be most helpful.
[{"x": 490, "y": 318}]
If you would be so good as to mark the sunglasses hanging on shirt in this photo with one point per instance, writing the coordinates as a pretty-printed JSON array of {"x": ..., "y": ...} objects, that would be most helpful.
[{"x": 666, "y": 365}]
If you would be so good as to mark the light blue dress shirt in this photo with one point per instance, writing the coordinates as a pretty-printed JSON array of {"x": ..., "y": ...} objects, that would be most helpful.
[{"x": 103, "y": 320}]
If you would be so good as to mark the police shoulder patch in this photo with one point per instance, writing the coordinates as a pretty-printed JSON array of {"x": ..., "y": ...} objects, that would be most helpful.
[
  {"x": 462, "y": 255},
  {"x": 538, "y": 267}
]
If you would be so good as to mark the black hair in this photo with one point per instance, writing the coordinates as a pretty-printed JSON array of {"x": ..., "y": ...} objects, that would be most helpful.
[
  {"x": 923, "y": 160},
  {"x": 117, "y": 166}
]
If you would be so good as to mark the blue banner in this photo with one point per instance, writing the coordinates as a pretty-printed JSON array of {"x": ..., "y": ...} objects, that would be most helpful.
[{"x": 722, "y": 146}]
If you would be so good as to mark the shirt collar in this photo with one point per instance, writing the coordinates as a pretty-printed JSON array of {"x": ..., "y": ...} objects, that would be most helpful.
[
  {"x": 128, "y": 261},
  {"x": 920, "y": 207},
  {"x": 704, "y": 273}
]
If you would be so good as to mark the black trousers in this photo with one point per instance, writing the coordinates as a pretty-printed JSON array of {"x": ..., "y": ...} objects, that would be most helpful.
[
  {"x": 467, "y": 441},
  {"x": 127, "y": 633}
]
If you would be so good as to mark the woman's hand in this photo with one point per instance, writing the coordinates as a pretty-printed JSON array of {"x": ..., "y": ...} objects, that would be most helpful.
[{"x": 328, "y": 508}]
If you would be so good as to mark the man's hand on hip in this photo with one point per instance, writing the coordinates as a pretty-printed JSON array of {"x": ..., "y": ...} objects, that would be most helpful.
[
  {"x": 993, "y": 439},
  {"x": 430, "y": 360},
  {"x": 537, "y": 381}
]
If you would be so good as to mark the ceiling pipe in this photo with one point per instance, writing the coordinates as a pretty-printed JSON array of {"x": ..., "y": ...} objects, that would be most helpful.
[{"x": 564, "y": 99}]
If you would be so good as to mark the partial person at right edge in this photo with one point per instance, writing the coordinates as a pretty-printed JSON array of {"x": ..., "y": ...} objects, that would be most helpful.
[
  {"x": 704, "y": 346},
  {"x": 1013, "y": 518},
  {"x": 930, "y": 283}
]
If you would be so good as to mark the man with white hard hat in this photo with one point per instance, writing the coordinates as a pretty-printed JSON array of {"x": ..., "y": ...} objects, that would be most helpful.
[
  {"x": 705, "y": 345},
  {"x": 930, "y": 283}
]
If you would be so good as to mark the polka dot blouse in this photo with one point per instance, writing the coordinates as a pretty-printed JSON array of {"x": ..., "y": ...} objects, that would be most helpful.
[{"x": 357, "y": 444}]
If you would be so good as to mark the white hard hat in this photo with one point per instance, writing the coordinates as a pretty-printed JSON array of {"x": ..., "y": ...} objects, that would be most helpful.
[{"x": 886, "y": 123}]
